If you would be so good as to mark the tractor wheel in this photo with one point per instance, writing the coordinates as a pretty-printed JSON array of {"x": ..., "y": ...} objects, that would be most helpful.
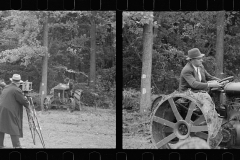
[
  {"x": 155, "y": 102},
  {"x": 71, "y": 104},
  {"x": 77, "y": 104},
  {"x": 47, "y": 103},
  {"x": 78, "y": 97},
  {"x": 177, "y": 118}
]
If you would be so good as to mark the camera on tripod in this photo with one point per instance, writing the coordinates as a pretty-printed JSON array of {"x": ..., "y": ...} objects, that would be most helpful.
[{"x": 26, "y": 87}]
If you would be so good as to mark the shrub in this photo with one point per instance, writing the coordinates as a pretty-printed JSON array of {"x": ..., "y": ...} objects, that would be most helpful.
[
  {"x": 88, "y": 98},
  {"x": 104, "y": 95},
  {"x": 106, "y": 79},
  {"x": 36, "y": 100},
  {"x": 106, "y": 88},
  {"x": 108, "y": 99},
  {"x": 131, "y": 100}
]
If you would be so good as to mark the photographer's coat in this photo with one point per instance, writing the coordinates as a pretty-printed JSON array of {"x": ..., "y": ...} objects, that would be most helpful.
[{"x": 12, "y": 101}]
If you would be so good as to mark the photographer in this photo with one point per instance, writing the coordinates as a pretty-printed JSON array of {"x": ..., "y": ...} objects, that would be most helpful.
[{"x": 12, "y": 101}]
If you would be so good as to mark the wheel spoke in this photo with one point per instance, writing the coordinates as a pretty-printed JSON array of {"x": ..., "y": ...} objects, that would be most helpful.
[
  {"x": 174, "y": 108},
  {"x": 199, "y": 128},
  {"x": 202, "y": 135},
  {"x": 190, "y": 111},
  {"x": 168, "y": 129},
  {"x": 199, "y": 120},
  {"x": 163, "y": 121},
  {"x": 165, "y": 140}
]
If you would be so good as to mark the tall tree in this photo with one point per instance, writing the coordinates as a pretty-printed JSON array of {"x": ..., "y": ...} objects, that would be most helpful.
[
  {"x": 69, "y": 43},
  {"x": 43, "y": 90},
  {"x": 145, "y": 101},
  {"x": 220, "y": 43},
  {"x": 92, "y": 77}
]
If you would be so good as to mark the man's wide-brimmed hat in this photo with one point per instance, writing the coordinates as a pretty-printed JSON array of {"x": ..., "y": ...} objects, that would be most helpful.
[
  {"x": 194, "y": 53},
  {"x": 16, "y": 77}
]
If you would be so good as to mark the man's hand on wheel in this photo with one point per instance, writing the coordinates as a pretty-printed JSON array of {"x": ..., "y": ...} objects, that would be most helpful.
[{"x": 215, "y": 84}]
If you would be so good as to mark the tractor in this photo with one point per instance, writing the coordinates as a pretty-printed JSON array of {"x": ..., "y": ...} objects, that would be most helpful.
[
  {"x": 178, "y": 116},
  {"x": 64, "y": 98}
]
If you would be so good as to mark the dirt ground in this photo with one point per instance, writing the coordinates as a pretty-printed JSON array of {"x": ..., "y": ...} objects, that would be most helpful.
[
  {"x": 88, "y": 128},
  {"x": 136, "y": 131},
  {"x": 136, "y": 142}
]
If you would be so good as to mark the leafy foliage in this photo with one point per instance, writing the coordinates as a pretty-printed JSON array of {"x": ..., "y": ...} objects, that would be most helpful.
[
  {"x": 22, "y": 50},
  {"x": 174, "y": 34},
  {"x": 131, "y": 100},
  {"x": 107, "y": 79}
]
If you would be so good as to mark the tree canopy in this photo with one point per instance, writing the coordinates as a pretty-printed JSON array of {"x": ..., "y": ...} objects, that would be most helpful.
[
  {"x": 22, "y": 46},
  {"x": 174, "y": 34}
]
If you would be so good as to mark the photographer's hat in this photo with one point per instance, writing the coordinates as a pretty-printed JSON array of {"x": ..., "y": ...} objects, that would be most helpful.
[
  {"x": 194, "y": 53},
  {"x": 16, "y": 78}
]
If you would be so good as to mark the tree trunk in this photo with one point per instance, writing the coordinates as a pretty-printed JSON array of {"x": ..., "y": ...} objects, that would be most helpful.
[
  {"x": 43, "y": 87},
  {"x": 92, "y": 77},
  {"x": 72, "y": 57},
  {"x": 220, "y": 43},
  {"x": 110, "y": 42},
  {"x": 145, "y": 101}
]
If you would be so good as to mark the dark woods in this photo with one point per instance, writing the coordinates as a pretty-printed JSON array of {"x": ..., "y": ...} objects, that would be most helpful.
[
  {"x": 174, "y": 34},
  {"x": 69, "y": 48}
]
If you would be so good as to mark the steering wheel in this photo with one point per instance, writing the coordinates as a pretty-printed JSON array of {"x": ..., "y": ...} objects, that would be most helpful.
[
  {"x": 227, "y": 79},
  {"x": 222, "y": 80}
]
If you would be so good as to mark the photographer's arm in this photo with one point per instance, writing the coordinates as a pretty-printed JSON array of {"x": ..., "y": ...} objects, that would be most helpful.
[{"x": 21, "y": 99}]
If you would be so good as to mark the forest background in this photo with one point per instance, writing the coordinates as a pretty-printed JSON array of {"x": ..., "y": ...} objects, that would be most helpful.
[
  {"x": 155, "y": 45},
  {"x": 174, "y": 33},
  {"x": 47, "y": 47}
]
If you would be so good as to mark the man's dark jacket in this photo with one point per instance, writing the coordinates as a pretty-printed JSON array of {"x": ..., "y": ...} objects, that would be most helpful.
[
  {"x": 189, "y": 78},
  {"x": 12, "y": 101}
]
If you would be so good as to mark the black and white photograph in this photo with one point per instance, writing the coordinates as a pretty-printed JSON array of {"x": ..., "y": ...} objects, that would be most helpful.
[
  {"x": 57, "y": 79},
  {"x": 181, "y": 80}
]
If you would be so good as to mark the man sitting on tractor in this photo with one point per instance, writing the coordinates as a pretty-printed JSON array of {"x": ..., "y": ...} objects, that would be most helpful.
[
  {"x": 196, "y": 79},
  {"x": 70, "y": 84}
]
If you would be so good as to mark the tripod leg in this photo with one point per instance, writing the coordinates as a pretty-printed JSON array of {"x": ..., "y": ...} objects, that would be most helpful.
[
  {"x": 37, "y": 127},
  {"x": 30, "y": 122},
  {"x": 41, "y": 138},
  {"x": 36, "y": 124}
]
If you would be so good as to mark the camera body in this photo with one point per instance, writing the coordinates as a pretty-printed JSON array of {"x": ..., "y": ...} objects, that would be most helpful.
[{"x": 26, "y": 87}]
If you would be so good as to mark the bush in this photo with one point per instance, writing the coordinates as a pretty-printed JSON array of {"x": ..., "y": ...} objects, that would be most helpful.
[
  {"x": 131, "y": 100},
  {"x": 88, "y": 98},
  {"x": 102, "y": 97},
  {"x": 106, "y": 88},
  {"x": 36, "y": 99},
  {"x": 106, "y": 79},
  {"x": 108, "y": 99}
]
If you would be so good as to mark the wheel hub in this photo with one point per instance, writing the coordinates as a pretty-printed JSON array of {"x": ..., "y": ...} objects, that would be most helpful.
[{"x": 182, "y": 129}]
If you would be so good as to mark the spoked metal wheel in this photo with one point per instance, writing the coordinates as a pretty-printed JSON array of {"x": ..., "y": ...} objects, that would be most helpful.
[
  {"x": 155, "y": 102},
  {"x": 175, "y": 119},
  {"x": 47, "y": 103},
  {"x": 71, "y": 104}
]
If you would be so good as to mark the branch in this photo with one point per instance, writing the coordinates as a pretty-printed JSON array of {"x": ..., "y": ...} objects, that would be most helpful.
[
  {"x": 70, "y": 70},
  {"x": 131, "y": 44}
]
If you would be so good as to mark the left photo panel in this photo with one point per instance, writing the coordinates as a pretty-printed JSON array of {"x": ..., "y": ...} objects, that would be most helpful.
[{"x": 57, "y": 80}]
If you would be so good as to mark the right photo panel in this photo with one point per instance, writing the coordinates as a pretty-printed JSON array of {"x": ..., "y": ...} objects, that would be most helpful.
[{"x": 181, "y": 80}]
